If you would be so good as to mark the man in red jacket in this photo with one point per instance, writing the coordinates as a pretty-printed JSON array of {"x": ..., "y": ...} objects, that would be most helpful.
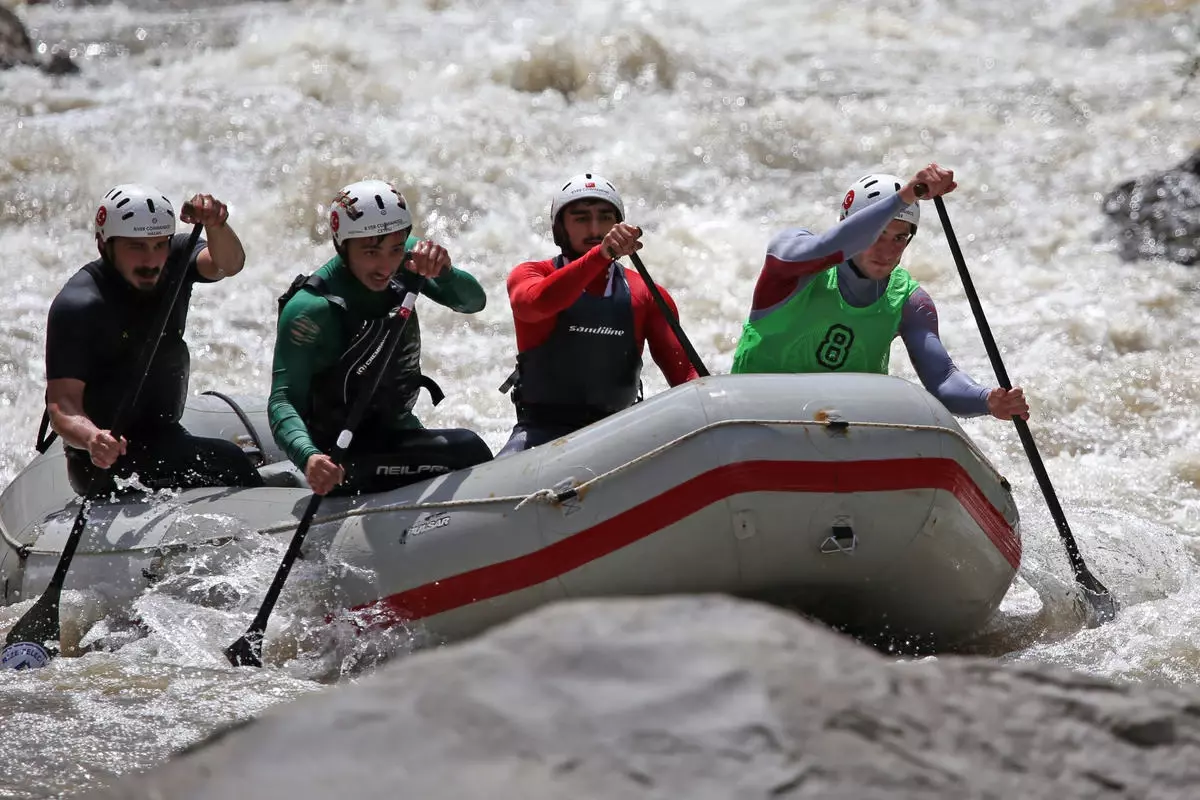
[{"x": 582, "y": 321}]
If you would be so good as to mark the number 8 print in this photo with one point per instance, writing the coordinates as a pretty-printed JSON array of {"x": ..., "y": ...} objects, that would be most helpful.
[{"x": 835, "y": 347}]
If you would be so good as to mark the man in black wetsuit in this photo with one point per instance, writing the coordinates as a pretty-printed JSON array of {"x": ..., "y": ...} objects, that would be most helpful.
[{"x": 97, "y": 328}]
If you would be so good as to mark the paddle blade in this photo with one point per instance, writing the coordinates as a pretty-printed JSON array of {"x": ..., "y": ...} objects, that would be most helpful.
[
  {"x": 38, "y": 624},
  {"x": 246, "y": 651},
  {"x": 1097, "y": 603},
  {"x": 25, "y": 655}
]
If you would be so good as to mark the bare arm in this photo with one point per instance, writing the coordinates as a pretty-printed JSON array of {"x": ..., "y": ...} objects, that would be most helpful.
[
  {"x": 224, "y": 256},
  {"x": 64, "y": 403}
]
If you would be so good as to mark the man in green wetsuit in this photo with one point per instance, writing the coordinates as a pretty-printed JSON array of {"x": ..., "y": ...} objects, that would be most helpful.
[{"x": 331, "y": 325}]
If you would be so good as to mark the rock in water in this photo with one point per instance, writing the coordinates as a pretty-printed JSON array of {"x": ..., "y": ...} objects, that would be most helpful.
[
  {"x": 60, "y": 63},
  {"x": 15, "y": 47},
  {"x": 697, "y": 697},
  {"x": 1159, "y": 215}
]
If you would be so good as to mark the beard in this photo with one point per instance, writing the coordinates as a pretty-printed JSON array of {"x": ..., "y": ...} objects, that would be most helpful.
[
  {"x": 146, "y": 290},
  {"x": 588, "y": 244}
]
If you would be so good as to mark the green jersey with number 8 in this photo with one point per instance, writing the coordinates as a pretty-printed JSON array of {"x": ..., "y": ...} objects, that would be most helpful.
[{"x": 818, "y": 331}]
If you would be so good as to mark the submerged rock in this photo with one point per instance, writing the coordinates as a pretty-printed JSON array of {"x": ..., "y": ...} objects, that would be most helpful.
[
  {"x": 697, "y": 697},
  {"x": 1158, "y": 215}
]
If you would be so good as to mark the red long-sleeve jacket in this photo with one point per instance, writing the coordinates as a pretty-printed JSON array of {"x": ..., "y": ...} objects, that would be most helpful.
[{"x": 538, "y": 292}]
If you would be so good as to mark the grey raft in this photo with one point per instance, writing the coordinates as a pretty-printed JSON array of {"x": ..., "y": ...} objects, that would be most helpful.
[{"x": 855, "y": 499}]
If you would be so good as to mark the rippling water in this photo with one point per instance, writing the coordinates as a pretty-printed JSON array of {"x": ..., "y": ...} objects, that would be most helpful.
[{"x": 720, "y": 123}]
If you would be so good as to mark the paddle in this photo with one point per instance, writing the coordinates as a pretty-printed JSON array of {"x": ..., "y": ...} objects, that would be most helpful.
[
  {"x": 40, "y": 624},
  {"x": 247, "y": 651},
  {"x": 1101, "y": 602},
  {"x": 692, "y": 355}
]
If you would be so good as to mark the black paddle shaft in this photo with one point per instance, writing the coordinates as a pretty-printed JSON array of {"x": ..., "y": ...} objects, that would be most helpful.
[
  {"x": 692, "y": 355},
  {"x": 1099, "y": 597},
  {"x": 40, "y": 623},
  {"x": 247, "y": 651}
]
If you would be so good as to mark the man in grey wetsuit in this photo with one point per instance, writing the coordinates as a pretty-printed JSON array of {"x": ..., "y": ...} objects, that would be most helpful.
[{"x": 835, "y": 301}]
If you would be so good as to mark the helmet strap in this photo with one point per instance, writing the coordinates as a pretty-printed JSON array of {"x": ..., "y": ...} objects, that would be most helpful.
[
  {"x": 562, "y": 240},
  {"x": 106, "y": 252}
]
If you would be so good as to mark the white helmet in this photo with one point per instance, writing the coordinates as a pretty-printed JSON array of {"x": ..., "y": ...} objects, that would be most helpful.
[
  {"x": 138, "y": 212},
  {"x": 870, "y": 189},
  {"x": 582, "y": 187},
  {"x": 368, "y": 208}
]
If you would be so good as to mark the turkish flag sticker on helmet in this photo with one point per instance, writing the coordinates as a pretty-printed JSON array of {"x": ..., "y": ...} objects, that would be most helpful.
[
  {"x": 101, "y": 216},
  {"x": 849, "y": 201}
]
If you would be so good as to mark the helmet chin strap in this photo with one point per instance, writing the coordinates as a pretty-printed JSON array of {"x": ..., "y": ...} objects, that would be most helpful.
[
  {"x": 106, "y": 255},
  {"x": 562, "y": 241}
]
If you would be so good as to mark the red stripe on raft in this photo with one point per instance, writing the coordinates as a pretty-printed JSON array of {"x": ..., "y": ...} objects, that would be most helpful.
[{"x": 686, "y": 499}]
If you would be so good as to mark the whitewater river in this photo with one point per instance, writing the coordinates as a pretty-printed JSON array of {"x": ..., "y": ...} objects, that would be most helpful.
[{"x": 720, "y": 123}]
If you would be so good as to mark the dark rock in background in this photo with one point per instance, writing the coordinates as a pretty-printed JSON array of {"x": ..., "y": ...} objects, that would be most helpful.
[
  {"x": 1158, "y": 215},
  {"x": 16, "y": 49}
]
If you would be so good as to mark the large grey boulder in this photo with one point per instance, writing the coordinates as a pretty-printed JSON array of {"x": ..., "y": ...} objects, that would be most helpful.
[
  {"x": 1158, "y": 216},
  {"x": 697, "y": 698}
]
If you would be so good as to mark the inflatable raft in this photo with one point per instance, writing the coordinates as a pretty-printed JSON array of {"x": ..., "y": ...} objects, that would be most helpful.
[{"x": 856, "y": 499}]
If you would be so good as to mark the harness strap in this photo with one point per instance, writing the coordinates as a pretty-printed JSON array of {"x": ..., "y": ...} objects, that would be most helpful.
[{"x": 44, "y": 441}]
